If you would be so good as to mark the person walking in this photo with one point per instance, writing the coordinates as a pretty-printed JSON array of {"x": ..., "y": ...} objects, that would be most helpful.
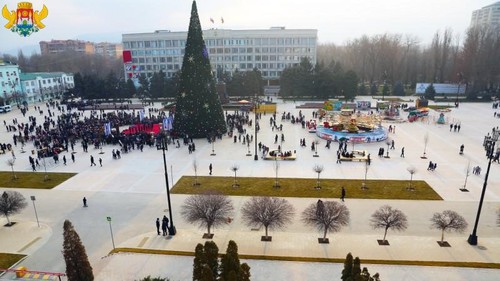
[
  {"x": 158, "y": 225},
  {"x": 392, "y": 145},
  {"x": 92, "y": 163},
  {"x": 210, "y": 169},
  {"x": 73, "y": 157},
  {"x": 164, "y": 225},
  {"x": 64, "y": 160},
  {"x": 84, "y": 202},
  {"x": 403, "y": 152},
  {"x": 342, "y": 194},
  {"x": 100, "y": 161},
  {"x": 461, "y": 149}
]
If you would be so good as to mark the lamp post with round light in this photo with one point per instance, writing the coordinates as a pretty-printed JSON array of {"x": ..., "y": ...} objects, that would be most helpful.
[{"x": 489, "y": 145}]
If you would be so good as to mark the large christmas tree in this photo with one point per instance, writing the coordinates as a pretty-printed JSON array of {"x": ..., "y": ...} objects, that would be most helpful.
[{"x": 198, "y": 111}]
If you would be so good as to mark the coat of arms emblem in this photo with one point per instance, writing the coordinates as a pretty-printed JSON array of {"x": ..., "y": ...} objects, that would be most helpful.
[{"x": 24, "y": 21}]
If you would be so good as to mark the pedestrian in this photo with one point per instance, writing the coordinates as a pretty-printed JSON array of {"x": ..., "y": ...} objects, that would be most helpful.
[
  {"x": 458, "y": 128},
  {"x": 403, "y": 152},
  {"x": 210, "y": 169},
  {"x": 100, "y": 161},
  {"x": 64, "y": 160},
  {"x": 164, "y": 225},
  {"x": 73, "y": 157},
  {"x": 461, "y": 149},
  {"x": 342, "y": 195},
  {"x": 92, "y": 163},
  {"x": 158, "y": 225},
  {"x": 451, "y": 127},
  {"x": 392, "y": 145},
  {"x": 338, "y": 157},
  {"x": 84, "y": 202},
  {"x": 33, "y": 166}
]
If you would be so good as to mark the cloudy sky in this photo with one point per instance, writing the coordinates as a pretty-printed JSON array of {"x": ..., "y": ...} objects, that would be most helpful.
[{"x": 336, "y": 20}]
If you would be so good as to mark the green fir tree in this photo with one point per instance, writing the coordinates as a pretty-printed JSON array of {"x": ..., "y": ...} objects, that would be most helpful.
[
  {"x": 230, "y": 262},
  {"x": 245, "y": 272},
  {"x": 206, "y": 274},
  {"x": 77, "y": 263},
  {"x": 198, "y": 111},
  {"x": 198, "y": 262},
  {"x": 212, "y": 257},
  {"x": 347, "y": 271}
]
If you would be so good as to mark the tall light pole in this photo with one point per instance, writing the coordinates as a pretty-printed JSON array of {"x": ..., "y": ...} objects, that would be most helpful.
[
  {"x": 459, "y": 75},
  {"x": 490, "y": 151},
  {"x": 33, "y": 198},
  {"x": 171, "y": 229},
  {"x": 256, "y": 103},
  {"x": 111, "y": 231}
]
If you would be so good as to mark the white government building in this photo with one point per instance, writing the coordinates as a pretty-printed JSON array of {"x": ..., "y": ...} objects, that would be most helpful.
[
  {"x": 17, "y": 87},
  {"x": 268, "y": 50}
]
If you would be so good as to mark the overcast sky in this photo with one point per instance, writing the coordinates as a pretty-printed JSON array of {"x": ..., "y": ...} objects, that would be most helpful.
[{"x": 336, "y": 20}]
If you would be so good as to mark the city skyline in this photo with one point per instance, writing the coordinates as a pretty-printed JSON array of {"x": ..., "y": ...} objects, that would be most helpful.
[{"x": 336, "y": 21}]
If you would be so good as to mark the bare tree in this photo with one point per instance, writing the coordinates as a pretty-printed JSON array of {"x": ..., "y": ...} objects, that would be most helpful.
[
  {"x": 235, "y": 169},
  {"x": 386, "y": 217},
  {"x": 195, "y": 168},
  {"x": 276, "y": 170},
  {"x": 318, "y": 169},
  {"x": 11, "y": 202},
  {"x": 449, "y": 221},
  {"x": 11, "y": 163},
  {"x": 270, "y": 212},
  {"x": 209, "y": 210},
  {"x": 412, "y": 170},
  {"x": 326, "y": 216}
]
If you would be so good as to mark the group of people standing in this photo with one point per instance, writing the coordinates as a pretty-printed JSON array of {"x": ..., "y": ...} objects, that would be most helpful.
[{"x": 164, "y": 225}]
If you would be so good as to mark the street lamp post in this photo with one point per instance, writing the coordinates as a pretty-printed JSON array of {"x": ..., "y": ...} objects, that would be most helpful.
[
  {"x": 490, "y": 151},
  {"x": 256, "y": 156},
  {"x": 33, "y": 198},
  {"x": 171, "y": 229},
  {"x": 388, "y": 145},
  {"x": 212, "y": 139},
  {"x": 111, "y": 231},
  {"x": 459, "y": 75}
]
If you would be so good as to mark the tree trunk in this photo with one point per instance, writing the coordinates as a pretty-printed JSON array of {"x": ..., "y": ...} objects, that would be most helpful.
[
  {"x": 208, "y": 228},
  {"x": 442, "y": 235},
  {"x": 8, "y": 220},
  {"x": 265, "y": 227},
  {"x": 385, "y": 233},
  {"x": 324, "y": 233}
]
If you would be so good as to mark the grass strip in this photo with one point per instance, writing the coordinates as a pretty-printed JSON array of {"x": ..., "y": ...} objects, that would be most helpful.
[
  {"x": 300, "y": 187},
  {"x": 7, "y": 260},
  {"x": 312, "y": 259},
  {"x": 35, "y": 180}
]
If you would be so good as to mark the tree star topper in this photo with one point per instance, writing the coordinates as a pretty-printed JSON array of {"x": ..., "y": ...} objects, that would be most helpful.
[{"x": 24, "y": 21}]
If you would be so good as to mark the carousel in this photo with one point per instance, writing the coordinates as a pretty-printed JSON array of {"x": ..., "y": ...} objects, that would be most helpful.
[{"x": 351, "y": 126}]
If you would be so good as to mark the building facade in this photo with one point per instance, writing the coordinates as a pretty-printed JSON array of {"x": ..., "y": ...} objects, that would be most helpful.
[
  {"x": 10, "y": 83},
  {"x": 109, "y": 49},
  {"x": 268, "y": 50},
  {"x": 60, "y": 46},
  {"x": 488, "y": 16},
  {"x": 41, "y": 86}
]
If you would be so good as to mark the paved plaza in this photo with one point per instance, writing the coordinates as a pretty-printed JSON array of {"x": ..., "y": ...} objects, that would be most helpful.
[{"x": 131, "y": 191}]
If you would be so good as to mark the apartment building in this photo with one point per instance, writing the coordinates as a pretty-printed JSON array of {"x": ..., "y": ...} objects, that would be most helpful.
[{"x": 488, "y": 16}]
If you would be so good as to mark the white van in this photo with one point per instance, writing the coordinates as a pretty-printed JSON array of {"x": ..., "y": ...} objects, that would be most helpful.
[{"x": 5, "y": 108}]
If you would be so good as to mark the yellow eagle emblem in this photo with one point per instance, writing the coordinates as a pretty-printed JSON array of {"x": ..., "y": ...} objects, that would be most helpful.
[{"x": 24, "y": 21}]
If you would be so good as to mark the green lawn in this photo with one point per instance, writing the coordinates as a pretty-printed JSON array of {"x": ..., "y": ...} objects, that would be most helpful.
[
  {"x": 291, "y": 187},
  {"x": 33, "y": 179},
  {"x": 7, "y": 260}
]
